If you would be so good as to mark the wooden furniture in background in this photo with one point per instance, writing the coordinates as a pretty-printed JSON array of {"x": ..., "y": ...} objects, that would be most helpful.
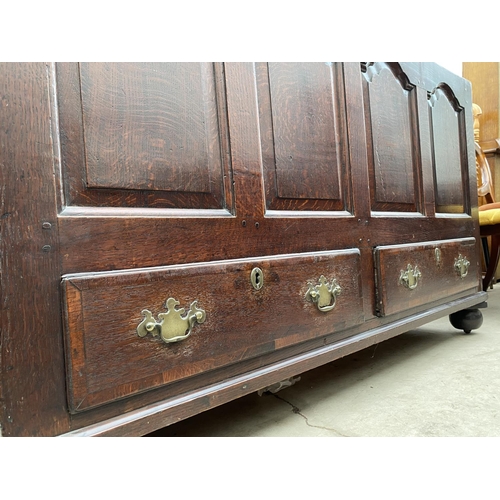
[
  {"x": 489, "y": 217},
  {"x": 485, "y": 80},
  {"x": 485, "y": 190},
  {"x": 489, "y": 211},
  {"x": 268, "y": 218}
]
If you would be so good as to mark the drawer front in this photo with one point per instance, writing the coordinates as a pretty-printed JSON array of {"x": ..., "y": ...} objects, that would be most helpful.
[
  {"x": 409, "y": 276},
  {"x": 119, "y": 326}
]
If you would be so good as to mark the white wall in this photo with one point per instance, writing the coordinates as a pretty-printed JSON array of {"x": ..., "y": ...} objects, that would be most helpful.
[{"x": 455, "y": 67}]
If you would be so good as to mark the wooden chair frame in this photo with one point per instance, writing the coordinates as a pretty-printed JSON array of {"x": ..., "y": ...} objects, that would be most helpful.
[{"x": 485, "y": 190}]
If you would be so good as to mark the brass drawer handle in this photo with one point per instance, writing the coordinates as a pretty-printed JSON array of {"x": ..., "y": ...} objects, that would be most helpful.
[
  {"x": 462, "y": 266},
  {"x": 172, "y": 327},
  {"x": 410, "y": 277},
  {"x": 324, "y": 295}
]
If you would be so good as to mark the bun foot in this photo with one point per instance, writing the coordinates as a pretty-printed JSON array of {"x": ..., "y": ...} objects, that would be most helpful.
[{"x": 467, "y": 319}]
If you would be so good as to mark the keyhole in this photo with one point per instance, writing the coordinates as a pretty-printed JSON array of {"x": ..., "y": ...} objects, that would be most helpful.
[{"x": 257, "y": 278}]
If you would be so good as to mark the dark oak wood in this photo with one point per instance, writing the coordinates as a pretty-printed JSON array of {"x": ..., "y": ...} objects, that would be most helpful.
[
  {"x": 394, "y": 142},
  {"x": 151, "y": 126},
  {"x": 450, "y": 154},
  {"x": 171, "y": 410},
  {"x": 303, "y": 146},
  {"x": 107, "y": 360},
  {"x": 150, "y": 181},
  {"x": 143, "y": 135},
  {"x": 435, "y": 262},
  {"x": 32, "y": 381}
]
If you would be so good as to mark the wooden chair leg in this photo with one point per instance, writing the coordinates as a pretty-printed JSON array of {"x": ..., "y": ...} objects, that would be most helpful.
[
  {"x": 486, "y": 251},
  {"x": 493, "y": 261}
]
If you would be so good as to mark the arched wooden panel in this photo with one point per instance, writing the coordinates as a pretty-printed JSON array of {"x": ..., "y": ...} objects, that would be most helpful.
[
  {"x": 393, "y": 142},
  {"x": 449, "y": 154}
]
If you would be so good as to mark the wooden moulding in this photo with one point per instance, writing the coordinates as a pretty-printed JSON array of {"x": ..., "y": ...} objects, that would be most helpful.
[{"x": 172, "y": 410}]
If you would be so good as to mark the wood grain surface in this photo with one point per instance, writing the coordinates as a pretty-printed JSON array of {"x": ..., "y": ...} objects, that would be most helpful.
[{"x": 126, "y": 183}]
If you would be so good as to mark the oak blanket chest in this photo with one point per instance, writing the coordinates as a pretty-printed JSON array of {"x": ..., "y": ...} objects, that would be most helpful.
[{"x": 178, "y": 235}]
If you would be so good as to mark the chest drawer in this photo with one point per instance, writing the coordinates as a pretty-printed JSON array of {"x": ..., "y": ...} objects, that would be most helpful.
[
  {"x": 408, "y": 276},
  {"x": 130, "y": 331}
]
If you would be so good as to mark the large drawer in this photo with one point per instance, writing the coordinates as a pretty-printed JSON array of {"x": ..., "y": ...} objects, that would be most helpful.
[
  {"x": 118, "y": 325},
  {"x": 412, "y": 275}
]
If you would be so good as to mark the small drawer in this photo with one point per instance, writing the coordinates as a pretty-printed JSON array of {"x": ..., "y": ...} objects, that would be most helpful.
[
  {"x": 409, "y": 276},
  {"x": 130, "y": 331}
]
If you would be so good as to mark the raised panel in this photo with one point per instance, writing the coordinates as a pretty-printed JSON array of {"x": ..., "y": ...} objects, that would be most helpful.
[
  {"x": 302, "y": 121},
  {"x": 450, "y": 158},
  {"x": 149, "y": 125},
  {"x": 143, "y": 134},
  {"x": 394, "y": 162}
]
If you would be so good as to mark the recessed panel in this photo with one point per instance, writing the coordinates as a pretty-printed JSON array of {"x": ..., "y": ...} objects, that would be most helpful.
[
  {"x": 143, "y": 134},
  {"x": 304, "y": 130},
  {"x": 302, "y": 123},
  {"x": 149, "y": 125},
  {"x": 447, "y": 126},
  {"x": 392, "y": 136}
]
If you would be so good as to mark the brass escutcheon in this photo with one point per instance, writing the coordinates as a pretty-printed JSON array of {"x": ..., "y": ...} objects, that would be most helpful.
[
  {"x": 410, "y": 277},
  {"x": 172, "y": 327},
  {"x": 461, "y": 266},
  {"x": 325, "y": 294},
  {"x": 257, "y": 278}
]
